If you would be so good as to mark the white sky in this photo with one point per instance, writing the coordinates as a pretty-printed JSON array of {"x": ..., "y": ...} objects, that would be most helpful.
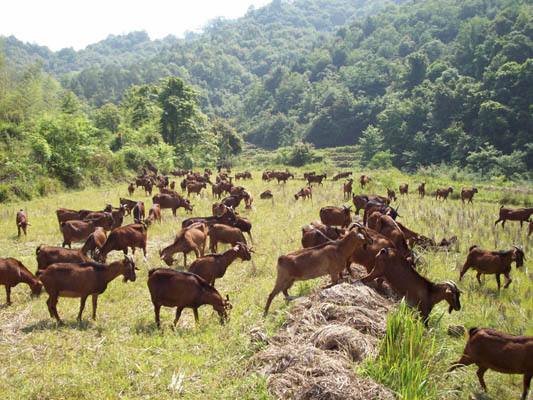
[{"x": 77, "y": 23}]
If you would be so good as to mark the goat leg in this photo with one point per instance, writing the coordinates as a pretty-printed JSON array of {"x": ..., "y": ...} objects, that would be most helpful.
[
  {"x": 178, "y": 315},
  {"x": 508, "y": 280},
  {"x": 498, "y": 281},
  {"x": 157, "y": 309},
  {"x": 527, "y": 382},
  {"x": 480, "y": 372},
  {"x": 8, "y": 295},
  {"x": 95, "y": 304},
  {"x": 195, "y": 311},
  {"x": 82, "y": 306}
]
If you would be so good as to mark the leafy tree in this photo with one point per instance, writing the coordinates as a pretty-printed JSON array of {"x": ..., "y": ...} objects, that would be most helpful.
[
  {"x": 108, "y": 117},
  {"x": 228, "y": 140},
  {"x": 371, "y": 142}
]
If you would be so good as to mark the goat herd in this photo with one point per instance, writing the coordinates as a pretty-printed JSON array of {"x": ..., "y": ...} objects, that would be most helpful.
[{"x": 383, "y": 246}]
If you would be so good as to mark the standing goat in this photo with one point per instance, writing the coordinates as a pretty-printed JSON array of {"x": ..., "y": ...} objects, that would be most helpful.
[{"x": 13, "y": 272}]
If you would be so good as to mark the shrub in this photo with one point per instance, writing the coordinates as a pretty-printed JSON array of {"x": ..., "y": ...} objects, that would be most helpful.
[{"x": 381, "y": 160}]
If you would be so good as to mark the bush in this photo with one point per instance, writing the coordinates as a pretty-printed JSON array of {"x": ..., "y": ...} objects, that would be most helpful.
[
  {"x": 381, "y": 160},
  {"x": 298, "y": 155}
]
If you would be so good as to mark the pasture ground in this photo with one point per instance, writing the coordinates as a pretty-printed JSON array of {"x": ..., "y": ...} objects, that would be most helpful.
[{"x": 123, "y": 355}]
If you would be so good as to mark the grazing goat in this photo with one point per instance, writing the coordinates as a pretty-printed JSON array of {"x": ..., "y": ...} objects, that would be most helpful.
[
  {"x": 404, "y": 189},
  {"x": 22, "y": 222},
  {"x": 315, "y": 179},
  {"x": 317, "y": 233},
  {"x": 195, "y": 187},
  {"x": 48, "y": 255},
  {"x": 341, "y": 175},
  {"x": 172, "y": 202},
  {"x": 385, "y": 225},
  {"x": 191, "y": 238},
  {"x": 132, "y": 235},
  {"x": 304, "y": 193},
  {"x": 214, "y": 266},
  {"x": 267, "y": 194},
  {"x": 336, "y": 216},
  {"x": 172, "y": 288},
  {"x": 422, "y": 189},
  {"x": 224, "y": 234},
  {"x": 391, "y": 194},
  {"x": 154, "y": 214},
  {"x": 360, "y": 200},
  {"x": 373, "y": 206},
  {"x": 468, "y": 194},
  {"x": 327, "y": 259},
  {"x": 13, "y": 272},
  {"x": 364, "y": 180},
  {"x": 82, "y": 280},
  {"x": 76, "y": 231},
  {"x": 443, "y": 193},
  {"x": 407, "y": 282},
  {"x": 501, "y": 352},
  {"x": 95, "y": 241},
  {"x": 347, "y": 189},
  {"x": 493, "y": 262},
  {"x": 514, "y": 214}
]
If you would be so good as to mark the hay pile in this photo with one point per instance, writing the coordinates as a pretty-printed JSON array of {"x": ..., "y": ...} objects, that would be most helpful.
[{"x": 313, "y": 355}]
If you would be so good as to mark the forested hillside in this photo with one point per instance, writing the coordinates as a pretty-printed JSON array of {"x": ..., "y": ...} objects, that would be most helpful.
[{"x": 410, "y": 83}]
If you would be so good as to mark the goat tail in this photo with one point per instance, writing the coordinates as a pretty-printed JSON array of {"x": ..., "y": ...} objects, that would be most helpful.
[
  {"x": 472, "y": 331},
  {"x": 472, "y": 247}
]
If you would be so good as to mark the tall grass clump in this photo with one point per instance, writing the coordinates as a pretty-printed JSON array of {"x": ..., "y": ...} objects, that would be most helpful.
[{"x": 406, "y": 356}]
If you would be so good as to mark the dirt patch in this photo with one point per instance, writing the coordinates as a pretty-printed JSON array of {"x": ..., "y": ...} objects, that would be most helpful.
[{"x": 313, "y": 356}]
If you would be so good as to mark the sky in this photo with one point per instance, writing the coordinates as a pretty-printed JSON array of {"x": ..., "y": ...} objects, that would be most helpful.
[{"x": 77, "y": 23}]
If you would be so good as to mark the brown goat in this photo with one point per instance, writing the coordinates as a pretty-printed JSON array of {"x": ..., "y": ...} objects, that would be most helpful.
[
  {"x": 172, "y": 202},
  {"x": 404, "y": 189},
  {"x": 138, "y": 212},
  {"x": 360, "y": 200},
  {"x": 336, "y": 216},
  {"x": 172, "y": 288},
  {"x": 443, "y": 193},
  {"x": 418, "y": 291},
  {"x": 191, "y": 238},
  {"x": 391, "y": 195},
  {"x": 304, "y": 193},
  {"x": 468, "y": 194},
  {"x": 154, "y": 214},
  {"x": 341, "y": 175},
  {"x": 76, "y": 231},
  {"x": 13, "y": 272},
  {"x": 493, "y": 262},
  {"x": 127, "y": 204},
  {"x": 131, "y": 189},
  {"x": 214, "y": 266},
  {"x": 220, "y": 233},
  {"x": 132, "y": 235},
  {"x": 195, "y": 187},
  {"x": 48, "y": 255},
  {"x": 22, "y": 222},
  {"x": 65, "y": 214},
  {"x": 317, "y": 233},
  {"x": 490, "y": 349},
  {"x": 422, "y": 189},
  {"x": 347, "y": 189},
  {"x": 327, "y": 259},
  {"x": 82, "y": 280},
  {"x": 385, "y": 225},
  {"x": 364, "y": 180},
  {"x": 514, "y": 214},
  {"x": 95, "y": 241}
]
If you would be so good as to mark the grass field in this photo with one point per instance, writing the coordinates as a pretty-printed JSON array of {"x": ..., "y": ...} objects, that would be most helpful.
[{"x": 123, "y": 355}]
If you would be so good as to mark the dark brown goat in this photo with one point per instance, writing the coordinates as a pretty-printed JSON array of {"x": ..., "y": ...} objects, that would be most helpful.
[
  {"x": 131, "y": 189},
  {"x": 404, "y": 189},
  {"x": 127, "y": 204},
  {"x": 327, "y": 259},
  {"x": 443, "y": 193},
  {"x": 132, "y": 235},
  {"x": 82, "y": 280},
  {"x": 341, "y": 175},
  {"x": 336, "y": 216},
  {"x": 493, "y": 262},
  {"x": 418, "y": 291},
  {"x": 172, "y": 288},
  {"x": 468, "y": 194},
  {"x": 189, "y": 239},
  {"x": 13, "y": 272},
  {"x": 422, "y": 189},
  {"x": 214, "y": 266},
  {"x": 360, "y": 200},
  {"x": 154, "y": 214},
  {"x": 48, "y": 255},
  {"x": 267, "y": 194},
  {"x": 138, "y": 212},
  {"x": 347, "y": 189},
  {"x": 514, "y": 214},
  {"x": 316, "y": 179},
  {"x": 22, "y": 222},
  {"x": 172, "y": 202},
  {"x": 195, "y": 187},
  {"x": 490, "y": 349},
  {"x": 65, "y": 214},
  {"x": 76, "y": 231},
  {"x": 364, "y": 180},
  {"x": 391, "y": 195},
  {"x": 373, "y": 206}
]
